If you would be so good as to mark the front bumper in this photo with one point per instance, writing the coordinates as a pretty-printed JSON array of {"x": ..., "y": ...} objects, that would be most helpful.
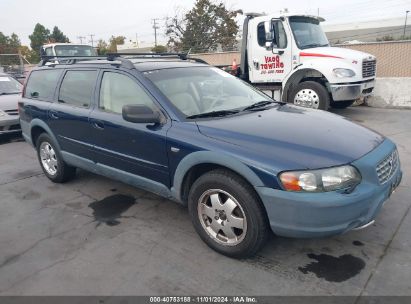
[
  {"x": 348, "y": 91},
  {"x": 306, "y": 215},
  {"x": 9, "y": 124}
]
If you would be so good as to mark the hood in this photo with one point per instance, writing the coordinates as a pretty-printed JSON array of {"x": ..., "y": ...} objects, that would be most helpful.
[
  {"x": 9, "y": 102},
  {"x": 292, "y": 138},
  {"x": 336, "y": 52}
]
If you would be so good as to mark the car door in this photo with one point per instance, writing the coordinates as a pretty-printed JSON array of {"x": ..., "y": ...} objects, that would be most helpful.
[
  {"x": 270, "y": 52},
  {"x": 137, "y": 148},
  {"x": 69, "y": 116}
]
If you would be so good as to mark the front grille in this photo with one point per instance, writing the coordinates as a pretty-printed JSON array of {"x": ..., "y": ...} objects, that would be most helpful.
[
  {"x": 368, "y": 68},
  {"x": 12, "y": 112},
  {"x": 387, "y": 167}
]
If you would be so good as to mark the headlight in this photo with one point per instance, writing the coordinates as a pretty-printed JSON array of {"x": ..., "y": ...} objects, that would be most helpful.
[
  {"x": 323, "y": 180},
  {"x": 2, "y": 113},
  {"x": 341, "y": 73}
]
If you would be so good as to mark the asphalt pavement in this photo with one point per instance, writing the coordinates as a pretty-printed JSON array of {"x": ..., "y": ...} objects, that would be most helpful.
[{"x": 96, "y": 236}]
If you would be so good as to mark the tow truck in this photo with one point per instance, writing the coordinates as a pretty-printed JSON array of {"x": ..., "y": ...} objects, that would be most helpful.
[
  {"x": 290, "y": 56},
  {"x": 67, "y": 49}
]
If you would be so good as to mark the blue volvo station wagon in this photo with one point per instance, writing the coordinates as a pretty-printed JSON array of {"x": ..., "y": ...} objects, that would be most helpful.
[{"x": 241, "y": 162}]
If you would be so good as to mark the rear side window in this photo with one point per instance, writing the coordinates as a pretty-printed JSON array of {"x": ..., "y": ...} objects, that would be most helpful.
[
  {"x": 77, "y": 88},
  {"x": 41, "y": 84}
]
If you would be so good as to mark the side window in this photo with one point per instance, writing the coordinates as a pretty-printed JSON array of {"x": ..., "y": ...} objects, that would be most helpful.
[
  {"x": 280, "y": 40},
  {"x": 77, "y": 88},
  {"x": 118, "y": 90},
  {"x": 41, "y": 84},
  {"x": 261, "y": 34},
  {"x": 49, "y": 51}
]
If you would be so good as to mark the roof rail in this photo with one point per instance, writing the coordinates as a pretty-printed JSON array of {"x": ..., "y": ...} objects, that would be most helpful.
[
  {"x": 124, "y": 61},
  {"x": 53, "y": 60},
  {"x": 181, "y": 56}
]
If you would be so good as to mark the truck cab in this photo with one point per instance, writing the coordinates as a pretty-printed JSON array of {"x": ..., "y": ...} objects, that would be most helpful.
[
  {"x": 67, "y": 49},
  {"x": 291, "y": 54}
]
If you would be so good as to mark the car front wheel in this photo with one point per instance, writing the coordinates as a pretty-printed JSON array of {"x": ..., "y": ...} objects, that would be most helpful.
[{"x": 227, "y": 214}]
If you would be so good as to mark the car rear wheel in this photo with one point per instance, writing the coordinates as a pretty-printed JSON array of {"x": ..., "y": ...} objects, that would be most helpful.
[
  {"x": 227, "y": 214},
  {"x": 341, "y": 104},
  {"x": 310, "y": 94},
  {"x": 51, "y": 161}
]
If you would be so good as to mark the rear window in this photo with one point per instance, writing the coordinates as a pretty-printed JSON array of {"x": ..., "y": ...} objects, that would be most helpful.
[
  {"x": 77, "y": 88},
  {"x": 42, "y": 83}
]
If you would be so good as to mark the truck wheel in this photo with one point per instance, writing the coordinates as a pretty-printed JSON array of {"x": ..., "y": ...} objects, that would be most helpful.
[
  {"x": 341, "y": 104},
  {"x": 227, "y": 214},
  {"x": 310, "y": 94},
  {"x": 51, "y": 161}
]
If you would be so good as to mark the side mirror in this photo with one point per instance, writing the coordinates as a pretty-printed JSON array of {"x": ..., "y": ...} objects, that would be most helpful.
[
  {"x": 140, "y": 114},
  {"x": 270, "y": 37},
  {"x": 42, "y": 51}
]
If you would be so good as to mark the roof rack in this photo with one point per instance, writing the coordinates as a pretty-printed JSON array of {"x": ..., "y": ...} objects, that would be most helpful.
[
  {"x": 124, "y": 61},
  {"x": 181, "y": 56}
]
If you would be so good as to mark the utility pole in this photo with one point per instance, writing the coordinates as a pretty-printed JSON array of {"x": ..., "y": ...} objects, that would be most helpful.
[
  {"x": 318, "y": 12},
  {"x": 91, "y": 39},
  {"x": 405, "y": 25},
  {"x": 155, "y": 27},
  {"x": 81, "y": 39}
]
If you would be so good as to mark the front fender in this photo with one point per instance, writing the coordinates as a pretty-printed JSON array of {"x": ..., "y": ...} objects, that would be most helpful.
[{"x": 208, "y": 157}]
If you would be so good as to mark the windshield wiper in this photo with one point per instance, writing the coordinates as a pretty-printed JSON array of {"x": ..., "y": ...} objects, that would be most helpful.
[
  {"x": 213, "y": 114},
  {"x": 313, "y": 45},
  {"x": 259, "y": 104}
]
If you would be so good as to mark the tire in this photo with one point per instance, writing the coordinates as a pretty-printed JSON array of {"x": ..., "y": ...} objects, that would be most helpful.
[
  {"x": 341, "y": 104},
  {"x": 248, "y": 210},
  {"x": 51, "y": 161},
  {"x": 312, "y": 95}
]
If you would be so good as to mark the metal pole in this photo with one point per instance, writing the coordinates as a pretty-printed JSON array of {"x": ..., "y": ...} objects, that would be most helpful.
[
  {"x": 91, "y": 39},
  {"x": 405, "y": 25},
  {"x": 155, "y": 27}
]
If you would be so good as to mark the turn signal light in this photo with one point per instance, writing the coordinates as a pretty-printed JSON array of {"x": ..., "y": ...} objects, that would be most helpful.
[{"x": 290, "y": 181}]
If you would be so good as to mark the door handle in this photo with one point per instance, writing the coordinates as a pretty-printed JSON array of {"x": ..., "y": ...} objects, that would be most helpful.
[
  {"x": 256, "y": 64},
  {"x": 53, "y": 114},
  {"x": 98, "y": 125}
]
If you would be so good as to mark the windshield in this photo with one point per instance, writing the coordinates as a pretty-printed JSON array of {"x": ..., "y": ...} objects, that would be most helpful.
[
  {"x": 74, "y": 50},
  {"x": 308, "y": 32},
  {"x": 9, "y": 85},
  {"x": 198, "y": 90}
]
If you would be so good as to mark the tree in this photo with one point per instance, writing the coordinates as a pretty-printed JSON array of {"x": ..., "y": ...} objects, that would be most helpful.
[
  {"x": 29, "y": 54},
  {"x": 9, "y": 44},
  {"x": 159, "y": 49},
  {"x": 114, "y": 41},
  {"x": 102, "y": 47},
  {"x": 58, "y": 36},
  {"x": 39, "y": 37},
  {"x": 206, "y": 27}
]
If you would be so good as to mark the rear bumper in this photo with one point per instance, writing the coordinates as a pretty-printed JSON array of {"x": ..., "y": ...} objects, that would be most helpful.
[
  {"x": 341, "y": 92},
  {"x": 9, "y": 125},
  {"x": 307, "y": 215}
]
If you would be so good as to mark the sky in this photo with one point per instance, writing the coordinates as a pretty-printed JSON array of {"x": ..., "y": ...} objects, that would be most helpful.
[{"x": 134, "y": 18}]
